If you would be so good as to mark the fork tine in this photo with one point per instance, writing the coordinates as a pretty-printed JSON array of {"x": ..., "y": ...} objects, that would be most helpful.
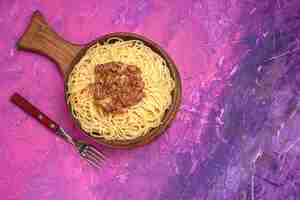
[
  {"x": 92, "y": 163},
  {"x": 93, "y": 158},
  {"x": 98, "y": 153}
]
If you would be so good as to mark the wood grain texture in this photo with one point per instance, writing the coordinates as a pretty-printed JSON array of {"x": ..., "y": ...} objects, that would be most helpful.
[{"x": 40, "y": 38}]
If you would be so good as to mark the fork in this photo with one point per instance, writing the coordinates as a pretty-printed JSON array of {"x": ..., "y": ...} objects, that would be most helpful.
[{"x": 86, "y": 151}]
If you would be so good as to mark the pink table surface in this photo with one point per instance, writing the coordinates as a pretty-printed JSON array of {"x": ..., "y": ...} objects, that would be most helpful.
[{"x": 192, "y": 160}]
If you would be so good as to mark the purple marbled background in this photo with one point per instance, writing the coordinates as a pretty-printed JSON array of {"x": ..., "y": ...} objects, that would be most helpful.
[{"x": 239, "y": 64}]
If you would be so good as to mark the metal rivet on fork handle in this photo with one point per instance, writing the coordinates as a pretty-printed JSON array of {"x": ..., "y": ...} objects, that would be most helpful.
[
  {"x": 52, "y": 126},
  {"x": 40, "y": 117}
]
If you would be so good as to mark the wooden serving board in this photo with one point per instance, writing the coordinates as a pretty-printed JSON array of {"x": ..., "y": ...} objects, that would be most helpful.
[{"x": 40, "y": 38}]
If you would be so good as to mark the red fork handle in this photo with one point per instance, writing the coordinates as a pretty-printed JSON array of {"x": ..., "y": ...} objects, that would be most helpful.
[{"x": 30, "y": 109}]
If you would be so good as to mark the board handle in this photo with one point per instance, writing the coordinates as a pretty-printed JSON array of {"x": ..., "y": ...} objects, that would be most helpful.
[{"x": 40, "y": 38}]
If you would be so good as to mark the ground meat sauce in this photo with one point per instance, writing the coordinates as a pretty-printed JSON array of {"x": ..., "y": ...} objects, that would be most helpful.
[{"x": 117, "y": 86}]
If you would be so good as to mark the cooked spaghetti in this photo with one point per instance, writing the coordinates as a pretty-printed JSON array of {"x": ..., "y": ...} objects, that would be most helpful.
[{"x": 138, "y": 119}]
